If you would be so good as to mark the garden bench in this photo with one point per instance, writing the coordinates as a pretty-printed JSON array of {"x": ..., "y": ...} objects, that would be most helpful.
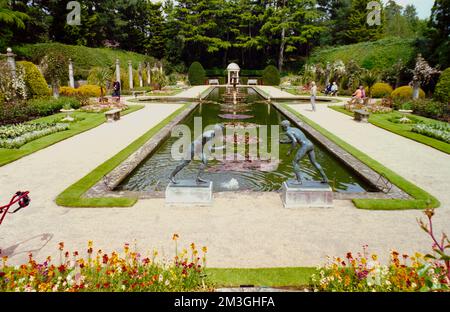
[
  {"x": 113, "y": 115},
  {"x": 362, "y": 115},
  {"x": 253, "y": 82},
  {"x": 135, "y": 93},
  {"x": 214, "y": 82}
]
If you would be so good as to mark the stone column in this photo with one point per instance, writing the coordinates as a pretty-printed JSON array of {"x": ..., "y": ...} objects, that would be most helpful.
[
  {"x": 141, "y": 81},
  {"x": 149, "y": 74},
  {"x": 71, "y": 80},
  {"x": 118, "y": 72},
  {"x": 229, "y": 77},
  {"x": 130, "y": 73},
  {"x": 11, "y": 61}
]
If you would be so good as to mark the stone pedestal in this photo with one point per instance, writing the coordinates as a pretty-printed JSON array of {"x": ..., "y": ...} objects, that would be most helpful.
[
  {"x": 188, "y": 192},
  {"x": 307, "y": 195}
]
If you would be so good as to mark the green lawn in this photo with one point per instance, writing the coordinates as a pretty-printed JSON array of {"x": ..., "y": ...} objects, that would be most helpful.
[
  {"x": 73, "y": 196},
  {"x": 277, "y": 277},
  {"x": 89, "y": 121},
  {"x": 421, "y": 199},
  {"x": 382, "y": 121}
]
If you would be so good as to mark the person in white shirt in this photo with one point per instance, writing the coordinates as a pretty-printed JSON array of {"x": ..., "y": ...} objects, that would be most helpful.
[
  {"x": 313, "y": 95},
  {"x": 334, "y": 89}
]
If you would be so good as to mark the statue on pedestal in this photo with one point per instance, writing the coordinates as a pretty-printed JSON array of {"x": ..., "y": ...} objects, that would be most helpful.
[{"x": 297, "y": 137}]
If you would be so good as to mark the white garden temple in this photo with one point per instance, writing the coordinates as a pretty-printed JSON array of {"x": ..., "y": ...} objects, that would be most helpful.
[{"x": 233, "y": 72}]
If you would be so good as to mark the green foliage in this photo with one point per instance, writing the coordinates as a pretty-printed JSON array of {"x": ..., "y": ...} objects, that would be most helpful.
[
  {"x": 34, "y": 80},
  {"x": 159, "y": 80},
  {"x": 406, "y": 93},
  {"x": 358, "y": 30},
  {"x": 196, "y": 74},
  {"x": 431, "y": 109},
  {"x": 49, "y": 106},
  {"x": 271, "y": 76},
  {"x": 378, "y": 55},
  {"x": 369, "y": 79},
  {"x": 442, "y": 91},
  {"x": 381, "y": 90},
  {"x": 100, "y": 77}
]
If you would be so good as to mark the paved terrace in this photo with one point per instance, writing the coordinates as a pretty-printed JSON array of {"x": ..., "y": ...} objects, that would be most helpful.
[{"x": 240, "y": 230}]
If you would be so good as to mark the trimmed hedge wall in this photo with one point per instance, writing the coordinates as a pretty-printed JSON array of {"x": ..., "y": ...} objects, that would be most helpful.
[
  {"x": 406, "y": 92},
  {"x": 271, "y": 76}
]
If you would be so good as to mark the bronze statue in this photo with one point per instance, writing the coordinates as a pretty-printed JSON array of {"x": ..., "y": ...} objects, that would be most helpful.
[
  {"x": 297, "y": 137},
  {"x": 197, "y": 148}
]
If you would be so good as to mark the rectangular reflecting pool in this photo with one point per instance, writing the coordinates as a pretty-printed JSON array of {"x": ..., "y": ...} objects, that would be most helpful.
[{"x": 244, "y": 175}]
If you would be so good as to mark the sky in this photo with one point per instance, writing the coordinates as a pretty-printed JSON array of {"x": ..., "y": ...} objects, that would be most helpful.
[{"x": 423, "y": 6}]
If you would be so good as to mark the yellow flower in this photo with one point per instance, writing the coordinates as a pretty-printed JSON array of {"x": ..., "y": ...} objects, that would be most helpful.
[
  {"x": 90, "y": 244},
  {"x": 205, "y": 249},
  {"x": 175, "y": 237},
  {"x": 374, "y": 257},
  {"x": 193, "y": 246}
]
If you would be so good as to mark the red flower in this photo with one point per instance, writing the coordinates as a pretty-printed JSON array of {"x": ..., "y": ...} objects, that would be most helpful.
[
  {"x": 61, "y": 268},
  {"x": 2, "y": 274}
]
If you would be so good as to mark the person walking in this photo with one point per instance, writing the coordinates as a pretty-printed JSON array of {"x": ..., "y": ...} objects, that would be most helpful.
[{"x": 313, "y": 95}]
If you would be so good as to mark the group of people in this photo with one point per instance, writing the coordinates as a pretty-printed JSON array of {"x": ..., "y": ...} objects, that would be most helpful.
[{"x": 332, "y": 89}]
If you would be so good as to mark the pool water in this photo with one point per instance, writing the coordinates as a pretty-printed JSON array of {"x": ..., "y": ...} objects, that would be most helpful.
[{"x": 153, "y": 173}]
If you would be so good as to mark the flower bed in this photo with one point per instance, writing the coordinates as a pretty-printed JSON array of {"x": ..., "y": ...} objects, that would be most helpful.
[
  {"x": 403, "y": 273},
  {"x": 15, "y": 136},
  {"x": 101, "y": 272},
  {"x": 437, "y": 131}
]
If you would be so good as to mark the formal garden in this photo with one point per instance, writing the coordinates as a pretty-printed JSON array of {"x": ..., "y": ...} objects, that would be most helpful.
[{"x": 356, "y": 116}]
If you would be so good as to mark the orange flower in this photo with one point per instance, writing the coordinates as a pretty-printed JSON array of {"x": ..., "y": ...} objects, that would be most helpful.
[
  {"x": 175, "y": 237},
  {"x": 61, "y": 246}
]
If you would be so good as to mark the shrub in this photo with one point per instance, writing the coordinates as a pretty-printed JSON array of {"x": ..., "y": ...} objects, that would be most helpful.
[
  {"x": 196, "y": 74},
  {"x": 49, "y": 106},
  {"x": 34, "y": 80},
  {"x": 406, "y": 92},
  {"x": 429, "y": 108},
  {"x": 67, "y": 91},
  {"x": 442, "y": 91},
  {"x": 89, "y": 91},
  {"x": 381, "y": 90},
  {"x": 271, "y": 76}
]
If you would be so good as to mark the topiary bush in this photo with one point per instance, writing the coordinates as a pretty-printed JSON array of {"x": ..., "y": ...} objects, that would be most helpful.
[
  {"x": 381, "y": 90},
  {"x": 89, "y": 91},
  {"x": 271, "y": 76},
  {"x": 196, "y": 74},
  {"x": 34, "y": 80},
  {"x": 442, "y": 91},
  {"x": 68, "y": 91},
  {"x": 406, "y": 93}
]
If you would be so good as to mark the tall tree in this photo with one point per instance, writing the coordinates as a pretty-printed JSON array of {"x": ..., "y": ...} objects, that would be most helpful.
[
  {"x": 289, "y": 25},
  {"x": 358, "y": 28},
  {"x": 9, "y": 20},
  {"x": 440, "y": 32}
]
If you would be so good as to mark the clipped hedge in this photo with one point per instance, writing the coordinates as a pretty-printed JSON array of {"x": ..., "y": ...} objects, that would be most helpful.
[
  {"x": 34, "y": 80},
  {"x": 49, "y": 106},
  {"x": 89, "y": 91},
  {"x": 381, "y": 90},
  {"x": 406, "y": 93},
  {"x": 271, "y": 76},
  {"x": 442, "y": 91},
  {"x": 196, "y": 74}
]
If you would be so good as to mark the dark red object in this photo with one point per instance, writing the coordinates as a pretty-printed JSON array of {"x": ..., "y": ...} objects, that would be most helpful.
[{"x": 20, "y": 198}]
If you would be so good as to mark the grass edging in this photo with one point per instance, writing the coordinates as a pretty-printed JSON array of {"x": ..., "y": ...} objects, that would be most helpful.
[
  {"x": 421, "y": 199},
  {"x": 266, "y": 277},
  {"x": 383, "y": 124},
  {"x": 34, "y": 146},
  {"x": 73, "y": 195}
]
